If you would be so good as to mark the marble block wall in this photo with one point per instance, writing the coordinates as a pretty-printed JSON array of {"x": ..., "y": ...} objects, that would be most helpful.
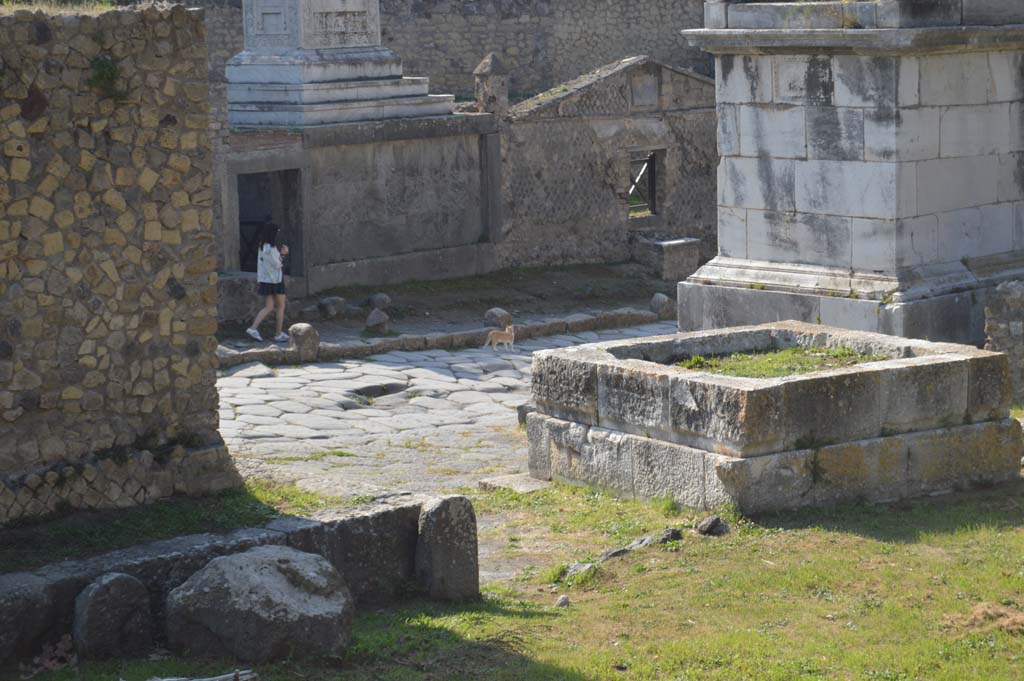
[
  {"x": 871, "y": 163},
  {"x": 872, "y": 172}
]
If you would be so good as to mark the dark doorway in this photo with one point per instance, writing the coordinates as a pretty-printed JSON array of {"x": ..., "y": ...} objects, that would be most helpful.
[{"x": 265, "y": 199}]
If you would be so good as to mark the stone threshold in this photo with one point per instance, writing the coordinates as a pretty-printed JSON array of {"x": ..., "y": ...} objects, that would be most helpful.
[
  {"x": 373, "y": 546},
  {"x": 359, "y": 348}
]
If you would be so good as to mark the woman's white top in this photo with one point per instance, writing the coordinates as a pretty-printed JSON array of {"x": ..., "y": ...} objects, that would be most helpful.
[{"x": 269, "y": 269}]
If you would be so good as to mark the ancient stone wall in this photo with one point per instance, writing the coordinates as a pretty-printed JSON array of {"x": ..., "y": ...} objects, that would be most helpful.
[
  {"x": 1004, "y": 330},
  {"x": 566, "y": 165},
  {"x": 107, "y": 261},
  {"x": 542, "y": 42}
]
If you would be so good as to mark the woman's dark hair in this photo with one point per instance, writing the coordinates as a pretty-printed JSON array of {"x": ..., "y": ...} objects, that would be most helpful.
[{"x": 269, "y": 236}]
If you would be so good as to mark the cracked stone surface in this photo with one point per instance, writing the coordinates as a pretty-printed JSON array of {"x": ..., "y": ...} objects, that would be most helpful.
[{"x": 427, "y": 421}]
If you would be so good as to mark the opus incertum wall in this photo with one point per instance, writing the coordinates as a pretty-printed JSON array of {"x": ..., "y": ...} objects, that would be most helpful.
[
  {"x": 872, "y": 174},
  {"x": 107, "y": 263}
]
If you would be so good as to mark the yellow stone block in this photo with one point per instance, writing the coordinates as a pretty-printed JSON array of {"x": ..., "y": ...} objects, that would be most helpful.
[
  {"x": 53, "y": 243},
  {"x": 190, "y": 220},
  {"x": 17, "y": 208},
  {"x": 164, "y": 321},
  {"x": 64, "y": 219},
  {"x": 114, "y": 238},
  {"x": 111, "y": 270},
  {"x": 86, "y": 160},
  {"x": 72, "y": 392},
  {"x": 58, "y": 167},
  {"x": 39, "y": 126},
  {"x": 126, "y": 221},
  {"x": 152, "y": 231},
  {"x": 41, "y": 208},
  {"x": 125, "y": 177},
  {"x": 179, "y": 162},
  {"x": 16, "y": 128},
  {"x": 148, "y": 179},
  {"x": 35, "y": 267},
  {"x": 189, "y": 140},
  {"x": 149, "y": 118},
  {"x": 20, "y": 169},
  {"x": 171, "y": 236},
  {"x": 113, "y": 198},
  {"x": 48, "y": 186}
]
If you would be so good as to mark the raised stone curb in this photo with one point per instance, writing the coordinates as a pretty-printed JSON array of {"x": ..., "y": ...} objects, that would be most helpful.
[
  {"x": 373, "y": 546},
  {"x": 357, "y": 349}
]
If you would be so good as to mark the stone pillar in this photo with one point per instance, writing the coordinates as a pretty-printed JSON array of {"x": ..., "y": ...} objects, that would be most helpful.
[
  {"x": 315, "y": 62},
  {"x": 872, "y": 174},
  {"x": 491, "y": 85}
]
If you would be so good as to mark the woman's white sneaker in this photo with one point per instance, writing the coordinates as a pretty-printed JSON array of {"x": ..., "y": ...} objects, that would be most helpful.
[
  {"x": 282, "y": 338},
  {"x": 254, "y": 334}
]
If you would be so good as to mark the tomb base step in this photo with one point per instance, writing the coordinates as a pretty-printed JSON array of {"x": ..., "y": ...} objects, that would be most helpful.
[
  {"x": 324, "y": 93},
  {"x": 883, "y": 469},
  {"x": 298, "y": 115}
]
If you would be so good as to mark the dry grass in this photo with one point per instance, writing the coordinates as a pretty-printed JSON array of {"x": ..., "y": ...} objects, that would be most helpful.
[
  {"x": 89, "y": 8},
  {"x": 987, "y": 617}
]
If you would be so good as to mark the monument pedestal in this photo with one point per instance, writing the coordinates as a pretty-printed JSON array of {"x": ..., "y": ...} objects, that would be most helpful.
[
  {"x": 871, "y": 174},
  {"x": 317, "y": 62}
]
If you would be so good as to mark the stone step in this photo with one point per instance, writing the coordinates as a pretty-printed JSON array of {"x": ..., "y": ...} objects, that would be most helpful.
[
  {"x": 322, "y": 93},
  {"x": 240, "y": 114}
]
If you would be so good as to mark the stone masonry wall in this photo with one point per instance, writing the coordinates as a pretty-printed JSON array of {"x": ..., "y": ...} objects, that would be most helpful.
[
  {"x": 1004, "y": 330},
  {"x": 107, "y": 261},
  {"x": 566, "y": 165}
]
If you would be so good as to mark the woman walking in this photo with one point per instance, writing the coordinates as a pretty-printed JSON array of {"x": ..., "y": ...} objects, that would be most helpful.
[{"x": 270, "y": 284}]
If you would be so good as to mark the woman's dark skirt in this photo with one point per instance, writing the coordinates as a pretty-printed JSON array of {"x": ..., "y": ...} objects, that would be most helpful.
[{"x": 265, "y": 289}]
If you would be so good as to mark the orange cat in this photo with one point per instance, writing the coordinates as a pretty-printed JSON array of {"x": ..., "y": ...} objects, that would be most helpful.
[{"x": 506, "y": 338}]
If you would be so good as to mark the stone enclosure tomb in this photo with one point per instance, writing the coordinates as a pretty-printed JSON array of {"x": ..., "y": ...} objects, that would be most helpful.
[
  {"x": 872, "y": 174},
  {"x": 930, "y": 418}
]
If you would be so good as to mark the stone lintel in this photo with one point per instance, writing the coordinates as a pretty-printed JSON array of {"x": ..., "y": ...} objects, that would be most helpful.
[
  {"x": 374, "y": 132},
  {"x": 861, "y": 41}
]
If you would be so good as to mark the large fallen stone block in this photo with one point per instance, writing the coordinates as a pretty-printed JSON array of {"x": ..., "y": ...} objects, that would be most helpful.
[
  {"x": 112, "y": 618},
  {"x": 268, "y": 603},
  {"x": 447, "y": 565}
]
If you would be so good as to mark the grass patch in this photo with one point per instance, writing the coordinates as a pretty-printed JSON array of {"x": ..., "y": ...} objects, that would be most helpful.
[
  {"x": 1017, "y": 411},
  {"x": 80, "y": 535},
  {"x": 778, "y": 363},
  {"x": 315, "y": 456}
]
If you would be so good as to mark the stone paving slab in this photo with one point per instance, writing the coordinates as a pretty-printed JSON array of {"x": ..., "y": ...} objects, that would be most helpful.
[{"x": 448, "y": 420}]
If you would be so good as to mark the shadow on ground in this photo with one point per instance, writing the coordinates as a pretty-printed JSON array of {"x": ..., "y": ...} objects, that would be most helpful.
[
  {"x": 417, "y": 641},
  {"x": 913, "y": 520}
]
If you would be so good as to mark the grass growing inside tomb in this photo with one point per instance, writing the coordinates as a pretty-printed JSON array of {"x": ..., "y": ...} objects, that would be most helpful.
[
  {"x": 927, "y": 590},
  {"x": 778, "y": 363},
  {"x": 30, "y": 545}
]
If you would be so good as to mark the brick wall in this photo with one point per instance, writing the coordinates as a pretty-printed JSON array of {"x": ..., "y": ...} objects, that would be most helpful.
[{"x": 1004, "y": 330}]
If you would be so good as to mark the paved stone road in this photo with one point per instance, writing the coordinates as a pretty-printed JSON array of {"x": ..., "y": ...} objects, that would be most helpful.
[{"x": 416, "y": 421}]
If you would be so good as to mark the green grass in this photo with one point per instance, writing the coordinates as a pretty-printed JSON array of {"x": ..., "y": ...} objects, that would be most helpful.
[
  {"x": 30, "y": 545},
  {"x": 1017, "y": 411},
  {"x": 315, "y": 456},
  {"x": 778, "y": 363},
  {"x": 925, "y": 590}
]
